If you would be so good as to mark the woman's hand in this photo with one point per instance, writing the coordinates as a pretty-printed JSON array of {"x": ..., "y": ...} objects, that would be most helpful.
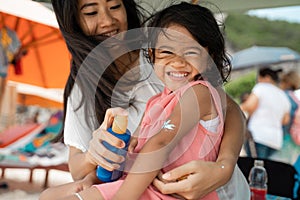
[
  {"x": 86, "y": 182},
  {"x": 132, "y": 144},
  {"x": 97, "y": 153},
  {"x": 203, "y": 178}
]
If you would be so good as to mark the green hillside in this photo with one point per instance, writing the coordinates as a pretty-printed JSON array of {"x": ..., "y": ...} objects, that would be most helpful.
[{"x": 243, "y": 31}]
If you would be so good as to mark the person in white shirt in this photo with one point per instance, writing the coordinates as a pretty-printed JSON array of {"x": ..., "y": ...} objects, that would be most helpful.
[{"x": 268, "y": 109}]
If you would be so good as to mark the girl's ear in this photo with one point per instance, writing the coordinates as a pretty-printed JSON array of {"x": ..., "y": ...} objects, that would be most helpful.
[
  {"x": 150, "y": 52},
  {"x": 151, "y": 55}
]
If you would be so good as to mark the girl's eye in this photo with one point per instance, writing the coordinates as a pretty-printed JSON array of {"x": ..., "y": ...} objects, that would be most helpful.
[
  {"x": 191, "y": 53},
  {"x": 165, "y": 52},
  {"x": 160, "y": 54},
  {"x": 115, "y": 7}
]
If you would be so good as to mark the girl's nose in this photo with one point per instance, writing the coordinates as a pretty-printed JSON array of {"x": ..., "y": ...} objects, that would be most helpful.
[{"x": 178, "y": 61}]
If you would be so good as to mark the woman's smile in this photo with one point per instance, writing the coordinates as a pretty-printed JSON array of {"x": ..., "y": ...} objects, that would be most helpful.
[{"x": 109, "y": 33}]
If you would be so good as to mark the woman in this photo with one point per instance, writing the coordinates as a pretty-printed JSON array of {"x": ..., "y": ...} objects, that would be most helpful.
[
  {"x": 289, "y": 82},
  {"x": 84, "y": 24}
]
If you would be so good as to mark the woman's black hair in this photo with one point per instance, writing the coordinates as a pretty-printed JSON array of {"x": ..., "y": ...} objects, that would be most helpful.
[
  {"x": 200, "y": 22},
  {"x": 80, "y": 45}
]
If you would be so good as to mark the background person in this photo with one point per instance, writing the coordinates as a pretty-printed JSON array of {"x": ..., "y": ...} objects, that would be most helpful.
[
  {"x": 9, "y": 46},
  {"x": 289, "y": 82},
  {"x": 268, "y": 109}
]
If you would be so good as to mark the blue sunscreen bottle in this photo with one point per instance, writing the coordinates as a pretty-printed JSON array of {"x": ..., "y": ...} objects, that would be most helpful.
[{"x": 118, "y": 129}]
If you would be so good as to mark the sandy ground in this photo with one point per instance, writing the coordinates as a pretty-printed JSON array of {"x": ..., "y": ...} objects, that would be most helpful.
[{"x": 19, "y": 187}]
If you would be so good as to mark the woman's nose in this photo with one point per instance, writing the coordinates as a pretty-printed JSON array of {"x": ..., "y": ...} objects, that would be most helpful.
[{"x": 106, "y": 19}]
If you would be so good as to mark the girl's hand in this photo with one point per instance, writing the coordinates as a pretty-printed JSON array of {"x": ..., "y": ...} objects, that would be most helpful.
[
  {"x": 97, "y": 153},
  {"x": 203, "y": 178}
]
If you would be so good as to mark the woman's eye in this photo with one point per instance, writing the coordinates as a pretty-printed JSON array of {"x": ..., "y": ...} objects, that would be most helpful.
[
  {"x": 91, "y": 13},
  {"x": 115, "y": 7}
]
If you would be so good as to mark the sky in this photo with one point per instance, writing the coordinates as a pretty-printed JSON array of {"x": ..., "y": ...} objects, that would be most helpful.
[{"x": 290, "y": 13}]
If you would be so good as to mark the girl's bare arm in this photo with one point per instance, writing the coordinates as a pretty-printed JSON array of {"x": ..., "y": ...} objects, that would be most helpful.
[
  {"x": 184, "y": 117},
  {"x": 208, "y": 176}
]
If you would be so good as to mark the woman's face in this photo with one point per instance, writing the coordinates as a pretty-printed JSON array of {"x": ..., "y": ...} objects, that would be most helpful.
[
  {"x": 102, "y": 17},
  {"x": 178, "y": 57}
]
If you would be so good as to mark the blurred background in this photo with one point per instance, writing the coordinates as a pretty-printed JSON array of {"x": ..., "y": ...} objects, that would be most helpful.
[{"x": 257, "y": 32}]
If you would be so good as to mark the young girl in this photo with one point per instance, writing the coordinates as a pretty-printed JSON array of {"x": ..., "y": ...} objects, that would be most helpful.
[{"x": 185, "y": 121}]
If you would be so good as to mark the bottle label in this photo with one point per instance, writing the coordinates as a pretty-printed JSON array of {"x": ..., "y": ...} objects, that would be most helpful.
[{"x": 258, "y": 194}]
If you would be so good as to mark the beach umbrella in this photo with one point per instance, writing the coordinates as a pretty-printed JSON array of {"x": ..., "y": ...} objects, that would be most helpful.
[
  {"x": 34, "y": 95},
  {"x": 45, "y": 59},
  {"x": 259, "y": 56}
]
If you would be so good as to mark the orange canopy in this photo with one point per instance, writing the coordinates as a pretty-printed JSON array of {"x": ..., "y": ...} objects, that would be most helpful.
[{"x": 47, "y": 61}]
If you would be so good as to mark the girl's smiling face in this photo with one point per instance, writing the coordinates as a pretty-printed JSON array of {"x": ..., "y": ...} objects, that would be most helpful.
[
  {"x": 102, "y": 17},
  {"x": 178, "y": 57}
]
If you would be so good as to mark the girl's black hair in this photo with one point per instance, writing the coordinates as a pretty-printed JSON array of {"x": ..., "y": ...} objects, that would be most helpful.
[
  {"x": 80, "y": 45},
  {"x": 201, "y": 23}
]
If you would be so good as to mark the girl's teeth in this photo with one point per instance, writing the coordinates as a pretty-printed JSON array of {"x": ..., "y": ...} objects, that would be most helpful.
[{"x": 178, "y": 75}]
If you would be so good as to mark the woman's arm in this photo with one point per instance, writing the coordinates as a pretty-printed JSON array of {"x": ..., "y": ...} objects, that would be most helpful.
[
  {"x": 69, "y": 189},
  {"x": 84, "y": 143},
  {"x": 77, "y": 134},
  {"x": 93, "y": 157},
  {"x": 233, "y": 139},
  {"x": 80, "y": 169},
  {"x": 86, "y": 147},
  {"x": 208, "y": 176}
]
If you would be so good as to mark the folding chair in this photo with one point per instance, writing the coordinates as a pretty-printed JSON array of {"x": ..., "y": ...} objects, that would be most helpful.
[
  {"x": 283, "y": 179},
  {"x": 28, "y": 146}
]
